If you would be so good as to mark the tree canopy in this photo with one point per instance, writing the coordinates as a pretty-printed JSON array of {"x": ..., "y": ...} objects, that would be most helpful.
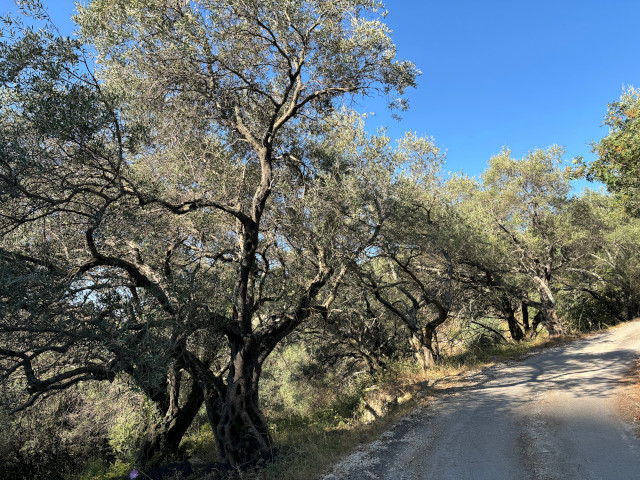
[
  {"x": 191, "y": 199},
  {"x": 618, "y": 162}
]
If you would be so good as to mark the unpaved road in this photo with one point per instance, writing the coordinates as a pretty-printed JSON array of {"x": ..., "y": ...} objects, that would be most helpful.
[{"x": 549, "y": 416}]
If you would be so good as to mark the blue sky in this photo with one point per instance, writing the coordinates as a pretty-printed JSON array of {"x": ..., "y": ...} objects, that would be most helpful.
[
  {"x": 502, "y": 73},
  {"x": 514, "y": 73}
]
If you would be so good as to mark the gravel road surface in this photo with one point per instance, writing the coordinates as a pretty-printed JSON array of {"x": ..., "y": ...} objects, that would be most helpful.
[{"x": 551, "y": 415}]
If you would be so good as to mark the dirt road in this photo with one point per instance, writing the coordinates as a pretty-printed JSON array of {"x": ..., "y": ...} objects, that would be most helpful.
[{"x": 549, "y": 416}]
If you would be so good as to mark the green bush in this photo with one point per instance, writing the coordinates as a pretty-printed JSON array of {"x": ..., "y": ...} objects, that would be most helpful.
[
  {"x": 77, "y": 433},
  {"x": 51, "y": 440},
  {"x": 584, "y": 313}
]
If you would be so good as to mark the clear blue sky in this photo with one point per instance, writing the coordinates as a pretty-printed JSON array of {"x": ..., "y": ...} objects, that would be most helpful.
[{"x": 521, "y": 74}]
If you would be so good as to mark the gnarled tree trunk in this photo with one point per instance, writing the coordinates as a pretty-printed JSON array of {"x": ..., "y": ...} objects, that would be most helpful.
[
  {"x": 548, "y": 314},
  {"x": 423, "y": 349},
  {"x": 164, "y": 437},
  {"x": 424, "y": 342},
  {"x": 242, "y": 433},
  {"x": 550, "y": 321},
  {"x": 509, "y": 315}
]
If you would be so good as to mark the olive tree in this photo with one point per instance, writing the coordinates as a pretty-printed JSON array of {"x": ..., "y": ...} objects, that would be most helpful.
[
  {"x": 601, "y": 285},
  {"x": 488, "y": 275},
  {"x": 412, "y": 268},
  {"x": 522, "y": 203},
  {"x": 70, "y": 310},
  {"x": 185, "y": 204}
]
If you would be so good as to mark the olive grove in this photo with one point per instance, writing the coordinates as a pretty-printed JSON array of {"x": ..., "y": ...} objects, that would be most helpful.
[{"x": 186, "y": 186}]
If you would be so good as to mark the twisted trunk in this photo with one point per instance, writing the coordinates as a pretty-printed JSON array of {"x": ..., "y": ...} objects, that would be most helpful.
[
  {"x": 242, "y": 433},
  {"x": 525, "y": 318},
  {"x": 550, "y": 321},
  {"x": 424, "y": 354},
  {"x": 424, "y": 347},
  {"x": 509, "y": 314},
  {"x": 163, "y": 441},
  {"x": 548, "y": 314}
]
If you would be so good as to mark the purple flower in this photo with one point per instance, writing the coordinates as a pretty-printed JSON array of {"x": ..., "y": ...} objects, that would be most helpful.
[{"x": 134, "y": 474}]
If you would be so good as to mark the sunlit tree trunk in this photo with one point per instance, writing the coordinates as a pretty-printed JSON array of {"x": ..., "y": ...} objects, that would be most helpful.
[
  {"x": 422, "y": 349},
  {"x": 548, "y": 311}
]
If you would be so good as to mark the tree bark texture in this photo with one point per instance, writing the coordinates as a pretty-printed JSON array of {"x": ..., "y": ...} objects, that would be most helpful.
[
  {"x": 422, "y": 342},
  {"x": 525, "y": 318},
  {"x": 509, "y": 314},
  {"x": 242, "y": 433},
  {"x": 548, "y": 310},
  {"x": 551, "y": 322},
  {"x": 164, "y": 438}
]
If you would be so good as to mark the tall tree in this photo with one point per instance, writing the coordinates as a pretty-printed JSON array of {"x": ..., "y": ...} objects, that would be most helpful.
[
  {"x": 71, "y": 312},
  {"x": 202, "y": 216},
  {"x": 412, "y": 274},
  {"x": 492, "y": 283}
]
